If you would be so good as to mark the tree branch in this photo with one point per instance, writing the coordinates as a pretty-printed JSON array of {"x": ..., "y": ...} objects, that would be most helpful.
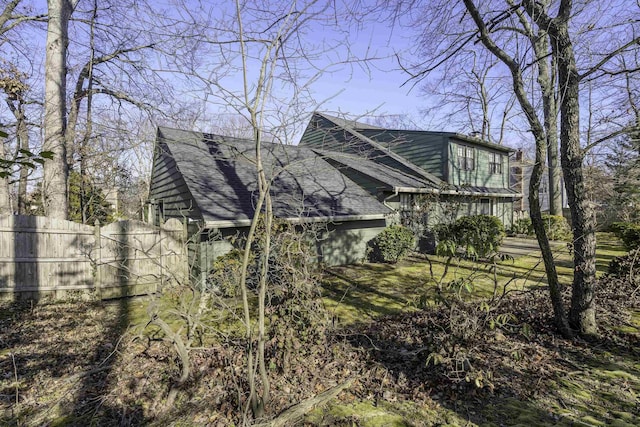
[{"x": 608, "y": 57}]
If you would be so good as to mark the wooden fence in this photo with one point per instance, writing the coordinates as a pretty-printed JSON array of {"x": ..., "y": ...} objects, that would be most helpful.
[{"x": 43, "y": 256}]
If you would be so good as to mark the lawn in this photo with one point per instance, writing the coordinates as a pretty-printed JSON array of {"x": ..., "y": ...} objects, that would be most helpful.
[
  {"x": 360, "y": 293},
  {"x": 539, "y": 378}
]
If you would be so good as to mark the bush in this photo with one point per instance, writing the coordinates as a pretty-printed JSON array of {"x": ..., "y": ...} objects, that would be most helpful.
[
  {"x": 225, "y": 274},
  {"x": 393, "y": 244},
  {"x": 523, "y": 226},
  {"x": 626, "y": 266},
  {"x": 629, "y": 233},
  {"x": 557, "y": 227},
  {"x": 476, "y": 235}
]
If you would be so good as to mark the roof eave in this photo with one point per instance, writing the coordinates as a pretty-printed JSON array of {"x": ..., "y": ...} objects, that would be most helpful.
[
  {"x": 481, "y": 142},
  {"x": 300, "y": 220}
]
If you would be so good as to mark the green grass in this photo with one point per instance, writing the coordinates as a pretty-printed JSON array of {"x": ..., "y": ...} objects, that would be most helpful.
[
  {"x": 604, "y": 388},
  {"x": 362, "y": 292}
]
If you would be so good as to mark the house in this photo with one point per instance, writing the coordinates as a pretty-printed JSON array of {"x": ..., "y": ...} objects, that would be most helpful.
[
  {"x": 449, "y": 173},
  {"x": 209, "y": 181},
  {"x": 351, "y": 178},
  {"x": 521, "y": 168}
]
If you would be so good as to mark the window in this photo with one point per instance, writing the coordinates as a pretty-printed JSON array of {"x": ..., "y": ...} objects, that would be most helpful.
[
  {"x": 495, "y": 163},
  {"x": 465, "y": 158},
  {"x": 485, "y": 206}
]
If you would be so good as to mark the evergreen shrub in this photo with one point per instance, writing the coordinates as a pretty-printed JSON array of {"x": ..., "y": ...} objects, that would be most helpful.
[
  {"x": 475, "y": 235},
  {"x": 394, "y": 243},
  {"x": 557, "y": 227},
  {"x": 628, "y": 232}
]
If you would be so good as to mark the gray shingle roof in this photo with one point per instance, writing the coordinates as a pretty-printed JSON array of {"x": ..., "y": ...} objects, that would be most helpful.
[
  {"x": 220, "y": 173},
  {"x": 386, "y": 175},
  {"x": 377, "y": 151},
  {"x": 372, "y": 131}
]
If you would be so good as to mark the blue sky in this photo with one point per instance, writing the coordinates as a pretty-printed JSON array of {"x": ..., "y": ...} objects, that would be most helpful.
[
  {"x": 362, "y": 76},
  {"x": 376, "y": 85}
]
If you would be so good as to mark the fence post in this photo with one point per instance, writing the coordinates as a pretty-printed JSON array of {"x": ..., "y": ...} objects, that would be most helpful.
[
  {"x": 98, "y": 258},
  {"x": 163, "y": 236},
  {"x": 184, "y": 251}
]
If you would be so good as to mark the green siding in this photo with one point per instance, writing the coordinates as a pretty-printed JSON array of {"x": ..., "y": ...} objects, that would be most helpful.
[
  {"x": 365, "y": 182},
  {"x": 445, "y": 209},
  {"x": 346, "y": 243},
  {"x": 426, "y": 150},
  {"x": 480, "y": 175},
  {"x": 341, "y": 243},
  {"x": 322, "y": 134},
  {"x": 168, "y": 186}
]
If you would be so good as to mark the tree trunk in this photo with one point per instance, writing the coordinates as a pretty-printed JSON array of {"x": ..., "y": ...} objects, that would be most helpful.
[
  {"x": 550, "y": 108},
  {"x": 5, "y": 198},
  {"x": 54, "y": 189},
  {"x": 555, "y": 289},
  {"x": 582, "y": 314},
  {"x": 538, "y": 132},
  {"x": 22, "y": 134}
]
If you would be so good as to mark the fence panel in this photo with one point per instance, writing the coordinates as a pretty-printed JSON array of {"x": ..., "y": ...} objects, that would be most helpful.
[{"x": 40, "y": 255}]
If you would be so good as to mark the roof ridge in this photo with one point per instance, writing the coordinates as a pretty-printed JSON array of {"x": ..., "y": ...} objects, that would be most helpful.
[
  {"x": 335, "y": 155},
  {"x": 429, "y": 176}
]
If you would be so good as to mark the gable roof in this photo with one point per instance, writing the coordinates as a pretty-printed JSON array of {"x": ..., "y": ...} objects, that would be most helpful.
[
  {"x": 374, "y": 144},
  {"x": 371, "y": 149},
  {"x": 375, "y": 132},
  {"x": 387, "y": 176},
  {"x": 220, "y": 174}
]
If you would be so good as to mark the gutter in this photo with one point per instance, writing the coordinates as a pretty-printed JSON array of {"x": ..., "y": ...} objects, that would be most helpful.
[
  {"x": 384, "y": 201},
  {"x": 453, "y": 192},
  {"x": 297, "y": 220}
]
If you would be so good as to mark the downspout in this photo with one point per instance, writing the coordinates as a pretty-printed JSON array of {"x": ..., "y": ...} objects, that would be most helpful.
[
  {"x": 384, "y": 201},
  {"x": 395, "y": 211}
]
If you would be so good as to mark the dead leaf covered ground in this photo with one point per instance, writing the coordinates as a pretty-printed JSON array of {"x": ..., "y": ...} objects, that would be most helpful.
[{"x": 94, "y": 363}]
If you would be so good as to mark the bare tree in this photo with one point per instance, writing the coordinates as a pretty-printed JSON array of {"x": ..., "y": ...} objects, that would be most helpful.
[
  {"x": 538, "y": 39},
  {"x": 54, "y": 187},
  {"x": 260, "y": 70},
  {"x": 14, "y": 84}
]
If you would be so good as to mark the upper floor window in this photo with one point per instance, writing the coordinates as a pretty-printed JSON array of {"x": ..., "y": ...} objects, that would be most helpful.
[
  {"x": 495, "y": 163},
  {"x": 466, "y": 159}
]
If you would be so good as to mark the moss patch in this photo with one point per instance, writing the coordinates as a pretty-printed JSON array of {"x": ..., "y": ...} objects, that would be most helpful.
[{"x": 383, "y": 414}]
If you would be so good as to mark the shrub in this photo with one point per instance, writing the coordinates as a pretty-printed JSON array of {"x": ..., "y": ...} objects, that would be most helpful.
[
  {"x": 476, "y": 235},
  {"x": 523, "y": 226},
  {"x": 393, "y": 244},
  {"x": 225, "y": 274},
  {"x": 629, "y": 233},
  {"x": 626, "y": 266},
  {"x": 557, "y": 227}
]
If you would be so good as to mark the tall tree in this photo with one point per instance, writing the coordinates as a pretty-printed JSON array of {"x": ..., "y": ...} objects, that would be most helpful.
[
  {"x": 54, "y": 189},
  {"x": 13, "y": 84},
  {"x": 537, "y": 39}
]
